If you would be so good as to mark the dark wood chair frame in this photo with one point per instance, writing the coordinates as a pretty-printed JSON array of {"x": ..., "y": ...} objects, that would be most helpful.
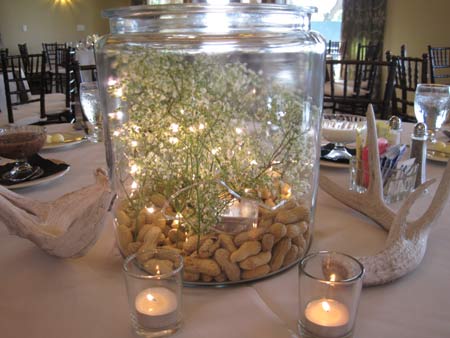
[
  {"x": 354, "y": 99},
  {"x": 439, "y": 58},
  {"x": 410, "y": 71},
  {"x": 14, "y": 65}
]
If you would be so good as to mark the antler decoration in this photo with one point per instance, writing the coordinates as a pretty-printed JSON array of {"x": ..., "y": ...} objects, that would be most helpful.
[
  {"x": 406, "y": 241},
  {"x": 66, "y": 227}
]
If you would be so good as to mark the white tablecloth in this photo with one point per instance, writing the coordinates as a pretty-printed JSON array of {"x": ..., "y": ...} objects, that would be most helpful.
[{"x": 46, "y": 297}]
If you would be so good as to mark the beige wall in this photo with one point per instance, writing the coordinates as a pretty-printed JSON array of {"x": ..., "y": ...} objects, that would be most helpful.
[
  {"x": 417, "y": 23},
  {"x": 51, "y": 20}
]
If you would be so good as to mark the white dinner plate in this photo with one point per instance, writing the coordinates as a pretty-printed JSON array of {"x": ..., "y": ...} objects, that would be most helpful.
[
  {"x": 70, "y": 139},
  {"x": 42, "y": 180},
  {"x": 331, "y": 164}
]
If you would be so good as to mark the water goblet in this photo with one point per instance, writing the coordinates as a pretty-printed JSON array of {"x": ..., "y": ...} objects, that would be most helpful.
[
  {"x": 19, "y": 143},
  {"x": 90, "y": 102},
  {"x": 341, "y": 129},
  {"x": 431, "y": 106}
]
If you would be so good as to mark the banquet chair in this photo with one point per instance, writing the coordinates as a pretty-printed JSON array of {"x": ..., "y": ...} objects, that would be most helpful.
[
  {"x": 336, "y": 49},
  {"x": 410, "y": 71},
  {"x": 4, "y": 51},
  {"x": 51, "y": 54},
  {"x": 369, "y": 52},
  {"x": 346, "y": 92},
  {"x": 439, "y": 64},
  {"x": 22, "y": 106}
]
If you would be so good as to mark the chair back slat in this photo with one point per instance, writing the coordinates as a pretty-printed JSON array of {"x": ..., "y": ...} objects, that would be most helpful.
[
  {"x": 439, "y": 64},
  {"x": 410, "y": 71}
]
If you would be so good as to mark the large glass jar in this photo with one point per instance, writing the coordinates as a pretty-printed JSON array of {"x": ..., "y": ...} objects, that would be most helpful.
[{"x": 212, "y": 118}]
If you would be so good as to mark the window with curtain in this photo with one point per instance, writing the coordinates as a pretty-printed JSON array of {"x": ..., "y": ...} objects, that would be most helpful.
[{"x": 328, "y": 18}]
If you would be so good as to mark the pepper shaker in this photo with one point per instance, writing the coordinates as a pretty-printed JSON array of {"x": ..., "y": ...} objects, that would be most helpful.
[
  {"x": 419, "y": 151},
  {"x": 395, "y": 128}
]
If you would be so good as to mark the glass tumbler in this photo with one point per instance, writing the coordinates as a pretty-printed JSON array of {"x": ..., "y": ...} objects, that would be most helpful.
[
  {"x": 329, "y": 288},
  {"x": 154, "y": 288},
  {"x": 431, "y": 106},
  {"x": 90, "y": 103}
]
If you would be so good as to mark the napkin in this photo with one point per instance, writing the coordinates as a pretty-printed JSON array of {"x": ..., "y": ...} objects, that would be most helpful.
[{"x": 48, "y": 166}]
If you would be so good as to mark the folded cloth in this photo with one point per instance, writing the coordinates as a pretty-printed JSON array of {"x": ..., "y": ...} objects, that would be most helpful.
[
  {"x": 324, "y": 150},
  {"x": 49, "y": 167}
]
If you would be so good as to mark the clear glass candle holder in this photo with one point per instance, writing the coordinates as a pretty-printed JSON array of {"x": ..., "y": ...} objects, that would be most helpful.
[
  {"x": 154, "y": 288},
  {"x": 330, "y": 284}
]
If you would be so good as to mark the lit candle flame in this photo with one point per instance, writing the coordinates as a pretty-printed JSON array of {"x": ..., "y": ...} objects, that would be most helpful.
[
  {"x": 332, "y": 277},
  {"x": 158, "y": 272},
  {"x": 325, "y": 306},
  {"x": 150, "y": 297}
]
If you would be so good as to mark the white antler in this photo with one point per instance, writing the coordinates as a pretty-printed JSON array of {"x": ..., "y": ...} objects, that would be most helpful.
[{"x": 406, "y": 241}]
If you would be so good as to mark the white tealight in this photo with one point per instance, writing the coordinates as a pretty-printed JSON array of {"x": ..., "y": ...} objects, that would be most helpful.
[{"x": 156, "y": 308}]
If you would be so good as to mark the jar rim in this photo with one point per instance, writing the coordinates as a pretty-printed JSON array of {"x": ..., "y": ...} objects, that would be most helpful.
[{"x": 178, "y": 5}]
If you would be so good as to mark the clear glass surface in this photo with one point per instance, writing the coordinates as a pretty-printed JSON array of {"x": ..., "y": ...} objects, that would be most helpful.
[
  {"x": 431, "y": 105},
  {"x": 330, "y": 285},
  {"x": 20, "y": 143},
  {"x": 209, "y": 110},
  {"x": 90, "y": 102},
  {"x": 154, "y": 289}
]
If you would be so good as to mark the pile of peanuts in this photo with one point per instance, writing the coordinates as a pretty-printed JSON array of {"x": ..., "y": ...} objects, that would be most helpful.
[{"x": 280, "y": 238}]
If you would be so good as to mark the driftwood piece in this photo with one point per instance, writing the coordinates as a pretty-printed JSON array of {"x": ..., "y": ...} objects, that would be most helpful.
[
  {"x": 66, "y": 227},
  {"x": 407, "y": 240}
]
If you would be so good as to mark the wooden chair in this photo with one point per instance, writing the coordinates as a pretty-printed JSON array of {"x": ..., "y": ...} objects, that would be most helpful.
[
  {"x": 410, "y": 71},
  {"x": 52, "y": 66},
  {"x": 22, "y": 106},
  {"x": 439, "y": 64},
  {"x": 369, "y": 52},
  {"x": 4, "y": 51},
  {"x": 336, "y": 49},
  {"x": 348, "y": 93}
]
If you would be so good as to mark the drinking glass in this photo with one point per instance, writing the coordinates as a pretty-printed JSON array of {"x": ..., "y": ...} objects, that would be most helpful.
[
  {"x": 431, "y": 106},
  {"x": 329, "y": 288},
  {"x": 20, "y": 143},
  {"x": 90, "y": 103}
]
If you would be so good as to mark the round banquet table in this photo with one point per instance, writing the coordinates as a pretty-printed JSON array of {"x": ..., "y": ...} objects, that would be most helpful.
[{"x": 46, "y": 297}]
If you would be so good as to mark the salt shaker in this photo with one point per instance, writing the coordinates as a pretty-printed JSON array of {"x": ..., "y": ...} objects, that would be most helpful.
[
  {"x": 395, "y": 128},
  {"x": 419, "y": 151}
]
